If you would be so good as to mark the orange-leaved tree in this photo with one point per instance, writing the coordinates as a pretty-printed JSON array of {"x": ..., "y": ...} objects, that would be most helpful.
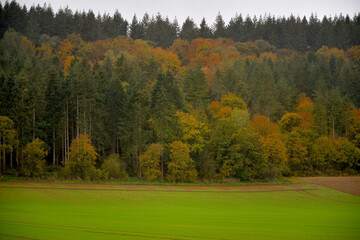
[
  {"x": 273, "y": 151},
  {"x": 272, "y": 148},
  {"x": 354, "y": 129},
  {"x": 305, "y": 108},
  {"x": 263, "y": 126}
]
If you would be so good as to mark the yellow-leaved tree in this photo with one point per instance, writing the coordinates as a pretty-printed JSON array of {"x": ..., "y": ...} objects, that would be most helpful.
[
  {"x": 82, "y": 158},
  {"x": 33, "y": 158},
  {"x": 150, "y": 162},
  {"x": 181, "y": 167}
]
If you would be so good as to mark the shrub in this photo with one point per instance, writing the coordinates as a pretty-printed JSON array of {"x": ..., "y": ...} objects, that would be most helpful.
[
  {"x": 114, "y": 167},
  {"x": 33, "y": 158}
]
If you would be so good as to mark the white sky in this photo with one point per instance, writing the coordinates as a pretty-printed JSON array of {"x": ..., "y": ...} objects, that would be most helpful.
[{"x": 197, "y": 9}]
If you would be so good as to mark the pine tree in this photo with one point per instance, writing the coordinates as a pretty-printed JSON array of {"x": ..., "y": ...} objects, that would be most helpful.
[
  {"x": 195, "y": 88},
  {"x": 220, "y": 30},
  {"x": 235, "y": 28},
  {"x": 137, "y": 30},
  {"x": 205, "y": 31},
  {"x": 189, "y": 30}
]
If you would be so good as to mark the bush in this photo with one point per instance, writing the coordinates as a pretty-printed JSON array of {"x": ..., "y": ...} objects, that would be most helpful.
[
  {"x": 33, "y": 159},
  {"x": 114, "y": 167}
]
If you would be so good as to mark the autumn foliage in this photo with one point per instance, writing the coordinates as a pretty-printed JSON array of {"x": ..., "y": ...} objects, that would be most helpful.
[
  {"x": 197, "y": 109},
  {"x": 33, "y": 161},
  {"x": 82, "y": 156},
  {"x": 181, "y": 167},
  {"x": 150, "y": 162}
]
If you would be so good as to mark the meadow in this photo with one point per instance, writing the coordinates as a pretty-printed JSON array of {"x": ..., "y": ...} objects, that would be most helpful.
[{"x": 107, "y": 211}]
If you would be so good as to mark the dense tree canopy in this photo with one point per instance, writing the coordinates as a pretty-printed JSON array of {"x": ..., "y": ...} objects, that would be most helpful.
[
  {"x": 245, "y": 104},
  {"x": 301, "y": 34}
]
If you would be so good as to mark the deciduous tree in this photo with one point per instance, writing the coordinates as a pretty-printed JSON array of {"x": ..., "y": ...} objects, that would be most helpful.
[
  {"x": 150, "y": 162},
  {"x": 82, "y": 158},
  {"x": 181, "y": 166}
]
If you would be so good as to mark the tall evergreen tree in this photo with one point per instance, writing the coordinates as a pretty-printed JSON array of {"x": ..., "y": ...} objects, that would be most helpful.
[
  {"x": 137, "y": 29},
  {"x": 54, "y": 106},
  {"x": 235, "y": 28},
  {"x": 195, "y": 88},
  {"x": 220, "y": 30},
  {"x": 205, "y": 31},
  {"x": 189, "y": 30}
]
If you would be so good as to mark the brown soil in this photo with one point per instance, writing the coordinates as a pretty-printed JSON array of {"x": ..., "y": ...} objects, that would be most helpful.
[
  {"x": 345, "y": 184},
  {"x": 19, "y": 237},
  {"x": 161, "y": 188}
]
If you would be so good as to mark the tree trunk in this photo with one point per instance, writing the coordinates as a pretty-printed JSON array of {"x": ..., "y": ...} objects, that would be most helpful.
[
  {"x": 54, "y": 157},
  {"x": 85, "y": 130},
  {"x": 0, "y": 155},
  {"x": 162, "y": 155},
  {"x": 333, "y": 127},
  {"x": 117, "y": 145},
  {"x": 77, "y": 116},
  {"x": 11, "y": 160},
  {"x": 17, "y": 153},
  {"x": 65, "y": 143},
  {"x": 33, "y": 138},
  {"x": 139, "y": 150},
  {"x": 346, "y": 125},
  {"x": 4, "y": 160},
  {"x": 67, "y": 137},
  {"x": 90, "y": 123}
]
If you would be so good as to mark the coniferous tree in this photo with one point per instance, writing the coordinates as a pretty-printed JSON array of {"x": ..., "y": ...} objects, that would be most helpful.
[
  {"x": 204, "y": 31},
  {"x": 189, "y": 30},
  {"x": 195, "y": 88},
  {"x": 53, "y": 107},
  {"x": 137, "y": 29},
  {"x": 235, "y": 28},
  {"x": 220, "y": 30},
  {"x": 64, "y": 22}
]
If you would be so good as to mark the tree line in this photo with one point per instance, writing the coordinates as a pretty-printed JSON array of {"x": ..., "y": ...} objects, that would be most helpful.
[
  {"x": 209, "y": 109},
  {"x": 301, "y": 34}
]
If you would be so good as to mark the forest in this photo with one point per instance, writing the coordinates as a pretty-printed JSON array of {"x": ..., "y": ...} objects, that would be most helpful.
[{"x": 97, "y": 98}]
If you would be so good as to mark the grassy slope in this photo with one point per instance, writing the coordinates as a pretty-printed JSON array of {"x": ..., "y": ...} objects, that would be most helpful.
[{"x": 84, "y": 214}]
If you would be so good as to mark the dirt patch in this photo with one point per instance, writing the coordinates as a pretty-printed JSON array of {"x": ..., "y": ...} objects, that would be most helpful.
[
  {"x": 19, "y": 237},
  {"x": 345, "y": 184},
  {"x": 162, "y": 188}
]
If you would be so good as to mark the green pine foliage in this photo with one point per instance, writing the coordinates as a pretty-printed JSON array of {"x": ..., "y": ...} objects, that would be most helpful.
[{"x": 236, "y": 108}]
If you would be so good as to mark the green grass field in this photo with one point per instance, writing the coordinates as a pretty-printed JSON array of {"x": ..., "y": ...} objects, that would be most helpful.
[{"x": 65, "y": 211}]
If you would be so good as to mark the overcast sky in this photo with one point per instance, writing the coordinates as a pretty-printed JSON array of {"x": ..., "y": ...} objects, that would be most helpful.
[{"x": 197, "y": 9}]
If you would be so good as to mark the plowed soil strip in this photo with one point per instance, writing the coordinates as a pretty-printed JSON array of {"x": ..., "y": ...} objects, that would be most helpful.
[
  {"x": 20, "y": 237},
  {"x": 345, "y": 184},
  {"x": 158, "y": 190}
]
